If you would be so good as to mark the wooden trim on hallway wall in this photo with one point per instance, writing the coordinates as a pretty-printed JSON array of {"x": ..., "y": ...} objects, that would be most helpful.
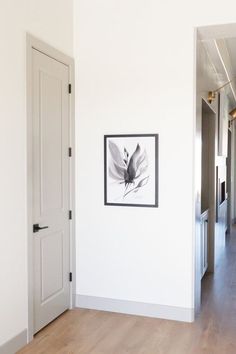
[
  {"x": 34, "y": 43},
  {"x": 135, "y": 308},
  {"x": 14, "y": 344}
]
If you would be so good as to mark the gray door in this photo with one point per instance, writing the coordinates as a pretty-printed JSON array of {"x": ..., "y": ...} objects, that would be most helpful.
[{"x": 50, "y": 188}]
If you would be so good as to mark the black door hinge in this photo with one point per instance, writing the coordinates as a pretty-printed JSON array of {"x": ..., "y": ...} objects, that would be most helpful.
[
  {"x": 69, "y": 88},
  {"x": 70, "y": 152},
  {"x": 70, "y": 214},
  {"x": 70, "y": 276}
]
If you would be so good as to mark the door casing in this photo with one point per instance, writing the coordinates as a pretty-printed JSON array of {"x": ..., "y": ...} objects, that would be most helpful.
[{"x": 34, "y": 43}]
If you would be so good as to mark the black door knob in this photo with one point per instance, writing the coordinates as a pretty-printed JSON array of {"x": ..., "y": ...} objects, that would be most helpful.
[{"x": 37, "y": 228}]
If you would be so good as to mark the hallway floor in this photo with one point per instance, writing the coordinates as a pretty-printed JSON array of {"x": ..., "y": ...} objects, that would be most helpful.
[{"x": 95, "y": 332}]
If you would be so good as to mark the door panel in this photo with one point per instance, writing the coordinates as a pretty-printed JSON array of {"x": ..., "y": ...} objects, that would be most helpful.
[
  {"x": 50, "y": 188},
  {"x": 51, "y": 157},
  {"x": 52, "y": 277}
]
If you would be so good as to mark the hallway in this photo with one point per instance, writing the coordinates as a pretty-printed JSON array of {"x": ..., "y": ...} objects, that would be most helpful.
[{"x": 94, "y": 332}]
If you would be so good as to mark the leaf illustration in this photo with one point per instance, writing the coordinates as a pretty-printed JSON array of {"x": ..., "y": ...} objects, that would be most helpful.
[
  {"x": 132, "y": 167},
  {"x": 114, "y": 175},
  {"x": 141, "y": 171},
  {"x": 126, "y": 156},
  {"x": 120, "y": 170},
  {"x": 116, "y": 154},
  {"x": 142, "y": 158},
  {"x": 143, "y": 182}
]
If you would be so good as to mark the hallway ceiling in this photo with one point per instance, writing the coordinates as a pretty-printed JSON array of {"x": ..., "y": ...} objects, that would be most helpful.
[
  {"x": 222, "y": 54},
  {"x": 231, "y": 46}
]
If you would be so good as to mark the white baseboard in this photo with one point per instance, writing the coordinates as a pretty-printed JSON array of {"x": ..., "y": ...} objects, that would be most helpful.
[
  {"x": 14, "y": 344},
  {"x": 135, "y": 308},
  {"x": 73, "y": 300}
]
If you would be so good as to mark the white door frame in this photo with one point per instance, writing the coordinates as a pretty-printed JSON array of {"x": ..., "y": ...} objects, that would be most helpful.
[{"x": 34, "y": 43}]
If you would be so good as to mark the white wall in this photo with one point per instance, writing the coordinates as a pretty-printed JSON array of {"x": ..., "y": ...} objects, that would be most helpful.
[
  {"x": 51, "y": 21},
  {"x": 135, "y": 74},
  {"x": 133, "y": 77}
]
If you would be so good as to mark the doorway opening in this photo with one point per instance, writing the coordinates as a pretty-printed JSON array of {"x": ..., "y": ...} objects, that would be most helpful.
[{"x": 215, "y": 149}]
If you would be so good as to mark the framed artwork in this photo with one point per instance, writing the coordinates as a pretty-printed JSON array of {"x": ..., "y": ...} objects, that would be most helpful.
[{"x": 131, "y": 170}]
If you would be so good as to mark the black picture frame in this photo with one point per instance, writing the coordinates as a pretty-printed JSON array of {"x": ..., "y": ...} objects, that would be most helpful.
[{"x": 155, "y": 204}]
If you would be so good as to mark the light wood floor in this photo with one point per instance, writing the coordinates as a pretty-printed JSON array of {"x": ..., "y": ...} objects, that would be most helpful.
[{"x": 94, "y": 332}]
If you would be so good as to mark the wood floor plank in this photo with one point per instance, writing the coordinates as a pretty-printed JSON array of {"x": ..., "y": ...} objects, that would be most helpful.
[{"x": 96, "y": 332}]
